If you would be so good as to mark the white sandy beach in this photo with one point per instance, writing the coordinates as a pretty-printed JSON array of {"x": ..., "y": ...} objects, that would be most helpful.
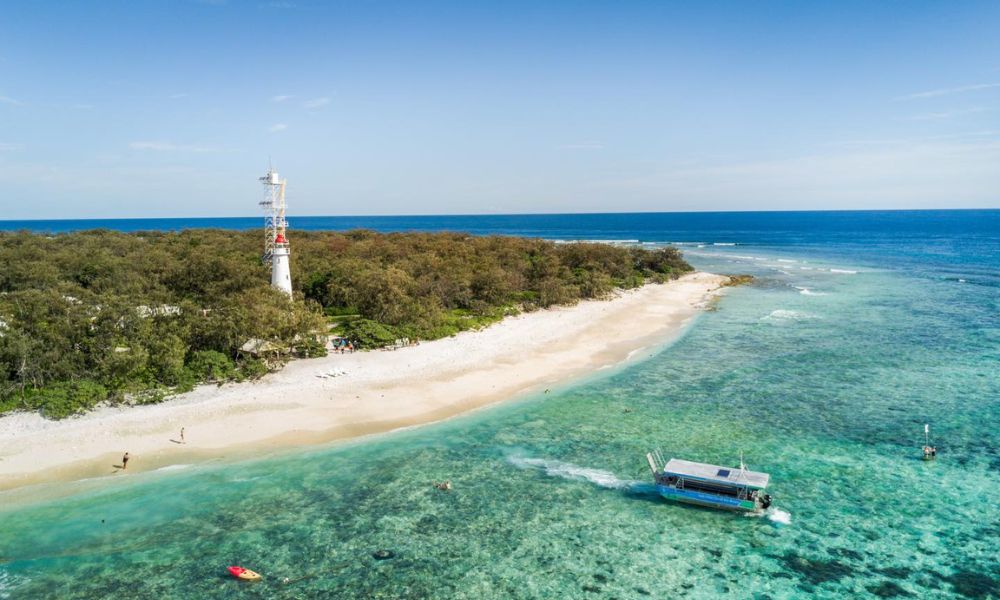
[{"x": 345, "y": 396}]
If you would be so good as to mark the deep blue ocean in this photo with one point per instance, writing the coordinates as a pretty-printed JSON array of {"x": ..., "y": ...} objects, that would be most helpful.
[
  {"x": 918, "y": 238},
  {"x": 859, "y": 328}
]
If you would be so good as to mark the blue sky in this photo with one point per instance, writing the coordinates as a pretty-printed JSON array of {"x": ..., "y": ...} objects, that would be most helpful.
[{"x": 172, "y": 108}]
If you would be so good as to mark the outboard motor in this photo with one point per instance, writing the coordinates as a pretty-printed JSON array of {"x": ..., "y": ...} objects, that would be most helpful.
[{"x": 765, "y": 500}]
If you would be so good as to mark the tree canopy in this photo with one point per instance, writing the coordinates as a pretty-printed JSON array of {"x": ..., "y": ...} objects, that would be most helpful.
[{"x": 106, "y": 316}]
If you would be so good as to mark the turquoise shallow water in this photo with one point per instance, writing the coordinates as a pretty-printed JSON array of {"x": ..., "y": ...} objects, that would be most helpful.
[{"x": 822, "y": 378}]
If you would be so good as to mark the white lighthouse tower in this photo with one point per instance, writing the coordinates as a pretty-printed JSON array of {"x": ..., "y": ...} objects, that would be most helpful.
[{"x": 276, "y": 248}]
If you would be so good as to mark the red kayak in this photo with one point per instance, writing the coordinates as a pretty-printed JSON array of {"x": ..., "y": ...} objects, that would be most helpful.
[{"x": 244, "y": 574}]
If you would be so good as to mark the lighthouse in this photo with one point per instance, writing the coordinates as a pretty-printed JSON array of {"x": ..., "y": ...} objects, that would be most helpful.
[{"x": 276, "y": 247}]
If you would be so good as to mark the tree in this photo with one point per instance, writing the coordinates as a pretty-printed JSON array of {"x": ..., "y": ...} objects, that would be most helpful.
[{"x": 96, "y": 315}]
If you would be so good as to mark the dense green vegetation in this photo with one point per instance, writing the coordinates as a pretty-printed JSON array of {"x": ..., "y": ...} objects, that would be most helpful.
[{"x": 104, "y": 316}]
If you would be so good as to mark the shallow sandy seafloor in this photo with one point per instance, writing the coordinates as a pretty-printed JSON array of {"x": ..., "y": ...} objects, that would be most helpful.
[{"x": 346, "y": 396}]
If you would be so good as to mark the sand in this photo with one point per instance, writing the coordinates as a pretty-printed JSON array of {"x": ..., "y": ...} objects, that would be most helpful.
[{"x": 350, "y": 395}]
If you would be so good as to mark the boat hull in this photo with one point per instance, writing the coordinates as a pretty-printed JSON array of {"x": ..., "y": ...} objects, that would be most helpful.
[
  {"x": 704, "y": 499},
  {"x": 244, "y": 574}
]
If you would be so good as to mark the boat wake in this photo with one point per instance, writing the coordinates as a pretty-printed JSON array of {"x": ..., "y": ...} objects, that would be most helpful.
[
  {"x": 776, "y": 515},
  {"x": 772, "y": 514},
  {"x": 557, "y": 468},
  {"x": 608, "y": 480}
]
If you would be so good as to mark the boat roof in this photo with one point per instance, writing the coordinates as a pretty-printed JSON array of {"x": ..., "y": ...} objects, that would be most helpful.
[{"x": 716, "y": 474}]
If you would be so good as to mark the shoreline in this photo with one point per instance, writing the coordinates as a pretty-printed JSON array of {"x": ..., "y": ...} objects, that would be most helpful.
[{"x": 347, "y": 396}]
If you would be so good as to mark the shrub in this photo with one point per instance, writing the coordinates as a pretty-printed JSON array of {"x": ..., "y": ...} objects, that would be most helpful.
[
  {"x": 210, "y": 365},
  {"x": 66, "y": 398},
  {"x": 310, "y": 347},
  {"x": 366, "y": 333},
  {"x": 340, "y": 311},
  {"x": 253, "y": 369}
]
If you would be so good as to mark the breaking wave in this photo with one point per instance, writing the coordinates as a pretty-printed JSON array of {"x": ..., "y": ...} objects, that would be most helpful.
[
  {"x": 588, "y": 241},
  {"x": 788, "y": 315},
  {"x": 176, "y": 467},
  {"x": 808, "y": 292}
]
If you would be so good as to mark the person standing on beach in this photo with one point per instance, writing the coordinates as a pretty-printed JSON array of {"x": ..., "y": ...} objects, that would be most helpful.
[
  {"x": 182, "y": 435},
  {"x": 125, "y": 461}
]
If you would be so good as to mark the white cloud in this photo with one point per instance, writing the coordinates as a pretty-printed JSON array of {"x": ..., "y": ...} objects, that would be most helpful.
[
  {"x": 281, "y": 98},
  {"x": 169, "y": 147},
  {"x": 949, "y": 91},
  {"x": 946, "y": 114},
  {"x": 930, "y": 116},
  {"x": 277, "y": 127},
  {"x": 316, "y": 103},
  {"x": 9, "y": 100}
]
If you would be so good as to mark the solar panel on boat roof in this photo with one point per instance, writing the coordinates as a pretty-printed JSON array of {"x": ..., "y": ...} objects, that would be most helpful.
[{"x": 716, "y": 473}]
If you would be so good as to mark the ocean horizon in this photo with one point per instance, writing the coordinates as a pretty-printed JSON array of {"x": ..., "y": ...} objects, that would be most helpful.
[{"x": 722, "y": 226}]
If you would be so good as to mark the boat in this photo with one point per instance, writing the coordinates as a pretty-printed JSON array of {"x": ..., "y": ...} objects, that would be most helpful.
[
  {"x": 930, "y": 452},
  {"x": 714, "y": 486},
  {"x": 244, "y": 574}
]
